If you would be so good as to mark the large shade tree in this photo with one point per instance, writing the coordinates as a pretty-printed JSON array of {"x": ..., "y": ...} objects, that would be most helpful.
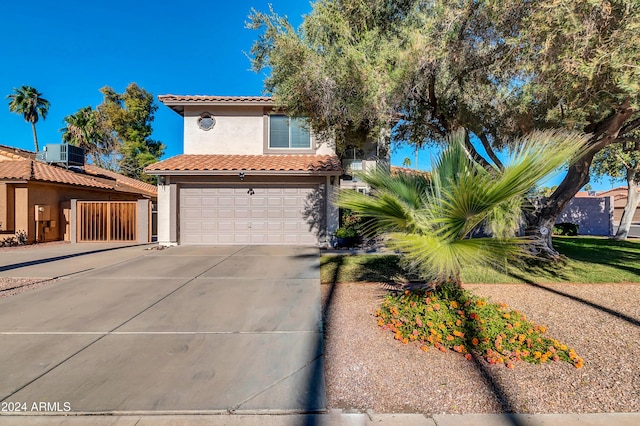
[
  {"x": 87, "y": 129},
  {"x": 28, "y": 102},
  {"x": 128, "y": 117},
  {"x": 497, "y": 68}
]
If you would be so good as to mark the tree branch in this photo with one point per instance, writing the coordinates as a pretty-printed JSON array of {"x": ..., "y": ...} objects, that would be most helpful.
[
  {"x": 632, "y": 125},
  {"x": 490, "y": 152},
  {"x": 473, "y": 153}
]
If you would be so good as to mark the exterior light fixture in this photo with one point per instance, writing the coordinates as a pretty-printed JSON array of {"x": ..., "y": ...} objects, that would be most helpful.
[
  {"x": 241, "y": 175},
  {"x": 251, "y": 191}
]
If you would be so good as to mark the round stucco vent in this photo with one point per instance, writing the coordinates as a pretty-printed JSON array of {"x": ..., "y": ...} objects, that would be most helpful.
[{"x": 206, "y": 121}]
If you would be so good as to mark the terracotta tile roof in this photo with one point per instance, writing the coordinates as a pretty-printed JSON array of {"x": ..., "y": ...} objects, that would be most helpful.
[
  {"x": 613, "y": 191},
  {"x": 17, "y": 169},
  {"x": 35, "y": 170},
  {"x": 123, "y": 183},
  {"x": 178, "y": 102},
  {"x": 91, "y": 177},
  {"x": 15, "y": 153},
  {"x": 213, "y": 99},
  {"x": 275, "y": 163}
]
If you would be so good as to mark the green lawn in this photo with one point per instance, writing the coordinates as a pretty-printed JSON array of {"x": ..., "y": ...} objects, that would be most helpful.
[{"x": 589, "y": 260}]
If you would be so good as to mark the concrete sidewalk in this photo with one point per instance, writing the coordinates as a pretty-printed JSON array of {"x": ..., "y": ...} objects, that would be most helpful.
[{"x": 334, "y": 418}]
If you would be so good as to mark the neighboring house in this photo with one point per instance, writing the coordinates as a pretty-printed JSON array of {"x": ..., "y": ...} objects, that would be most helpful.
[
  {"x": 598, "y": 213},
  {"x": 38, "y": 198},
  {"x": 619, "y": 195},
  {"x": 395, "y": 170},
  {"x": 248, "y": 175}
]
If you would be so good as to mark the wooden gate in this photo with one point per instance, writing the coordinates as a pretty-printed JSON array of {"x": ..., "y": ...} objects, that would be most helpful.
[{"x": 107, "y": 221}]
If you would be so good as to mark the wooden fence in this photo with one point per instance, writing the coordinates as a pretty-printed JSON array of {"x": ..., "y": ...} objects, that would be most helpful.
[{"x": 107, "y": 221}]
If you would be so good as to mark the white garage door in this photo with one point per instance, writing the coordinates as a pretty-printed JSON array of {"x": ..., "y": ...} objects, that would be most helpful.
[{"x": 250, "y": 214}]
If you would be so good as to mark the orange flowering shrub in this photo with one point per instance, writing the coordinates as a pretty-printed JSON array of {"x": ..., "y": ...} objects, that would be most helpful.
[{"x": 456, "y": 319}]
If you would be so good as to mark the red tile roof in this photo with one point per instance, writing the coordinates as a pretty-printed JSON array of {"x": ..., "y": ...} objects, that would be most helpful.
[
  {"x": 123, "y": 183},
  {"x": 214, "y": 99},
  {"x": 35, "y": 170},
  {"x": 20, "y": 165},
  {"x": 275, "y": 163},
  {"x": 15, "y": 153},
  {"x": 177, "y": 102}
]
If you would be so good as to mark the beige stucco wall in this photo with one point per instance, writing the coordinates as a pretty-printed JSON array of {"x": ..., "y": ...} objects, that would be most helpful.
[
  {"x": 166, "y": 213},
  {"x": 239, "y": 130},
  {"x": 7, "y": 208},
  {"x": 19, "y": 201}
]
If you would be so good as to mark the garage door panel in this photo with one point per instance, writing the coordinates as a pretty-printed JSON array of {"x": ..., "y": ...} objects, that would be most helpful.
[
  {"x": 208, "y": 214},
  {"x": 231, "y": 215},
  {"x": 242, "y": 214},
  {"x": 258, "y": 213},
  {"x": 209, "y": 202},
  {"x": 275, "y": 239},
  {"x": 191, "y": 226},
  {"x": 224, "y": 201},
  {"x": 291, "y": 202},
  {"x": 291, "y": 214},
  {"x": 192, "y": 202},
  {"x": 226, "y": 214},
  {"x": 192, "y": 213},
  {"x": 258, "y": 201},
  {"x": 225, "y": 226},
  {"x": 275, "y": 227},
  {"x": 241, "y": 226},
  {"x": 258, "y": 227},
  {"x": 242, "y": 202},
  {"x": 274, "y": 202},
  {"x": 209, "y": 226}
]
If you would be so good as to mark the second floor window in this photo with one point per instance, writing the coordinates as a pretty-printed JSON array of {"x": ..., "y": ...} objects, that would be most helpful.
[{"x": 289, "y": 132}]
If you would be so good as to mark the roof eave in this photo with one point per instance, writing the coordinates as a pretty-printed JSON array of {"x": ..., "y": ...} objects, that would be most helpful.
[{"x": 178, "y": 105}]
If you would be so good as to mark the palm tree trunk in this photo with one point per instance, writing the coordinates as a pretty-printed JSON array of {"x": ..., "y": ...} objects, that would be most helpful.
[
  {"x": 633, "y": 198},
  {"x": 35, "y": 136}
]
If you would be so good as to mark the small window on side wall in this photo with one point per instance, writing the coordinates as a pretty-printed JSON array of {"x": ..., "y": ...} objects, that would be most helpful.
[{"x": 289, "y": 132}]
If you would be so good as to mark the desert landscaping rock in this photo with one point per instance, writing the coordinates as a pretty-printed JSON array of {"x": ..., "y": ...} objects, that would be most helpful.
[{"x": 367, "y": 369}]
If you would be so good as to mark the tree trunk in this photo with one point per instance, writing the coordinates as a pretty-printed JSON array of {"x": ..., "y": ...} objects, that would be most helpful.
[
  {"x": 35, "y": 136},
  {"x": 540, "y": 225},
  {"x": 633, "y": 197}
]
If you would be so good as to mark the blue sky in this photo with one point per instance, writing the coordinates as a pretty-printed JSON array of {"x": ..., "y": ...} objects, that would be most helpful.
[{"x": 69, "y": 49}]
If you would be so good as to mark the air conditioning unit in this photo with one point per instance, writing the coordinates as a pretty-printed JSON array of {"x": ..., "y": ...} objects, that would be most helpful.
[{"x": 67, "y": 155}]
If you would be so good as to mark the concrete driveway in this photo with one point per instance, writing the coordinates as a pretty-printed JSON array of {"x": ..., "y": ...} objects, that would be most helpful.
[{"x": 198, "y": 329}]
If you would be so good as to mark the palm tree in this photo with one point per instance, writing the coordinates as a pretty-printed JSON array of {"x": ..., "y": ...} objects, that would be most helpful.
[
  {"x": 29, "y": 102},
  {"x": 432, "y": 219},
  {"x": 86, "y": 130}
]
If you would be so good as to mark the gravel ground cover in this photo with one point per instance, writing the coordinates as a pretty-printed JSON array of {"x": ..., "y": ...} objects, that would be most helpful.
[
  {"x": 367, "y": 369},
  {"x": 13, "y": 286}
]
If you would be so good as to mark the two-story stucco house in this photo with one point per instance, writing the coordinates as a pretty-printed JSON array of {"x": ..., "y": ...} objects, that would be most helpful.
[{"x": 248, "y": 175}]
